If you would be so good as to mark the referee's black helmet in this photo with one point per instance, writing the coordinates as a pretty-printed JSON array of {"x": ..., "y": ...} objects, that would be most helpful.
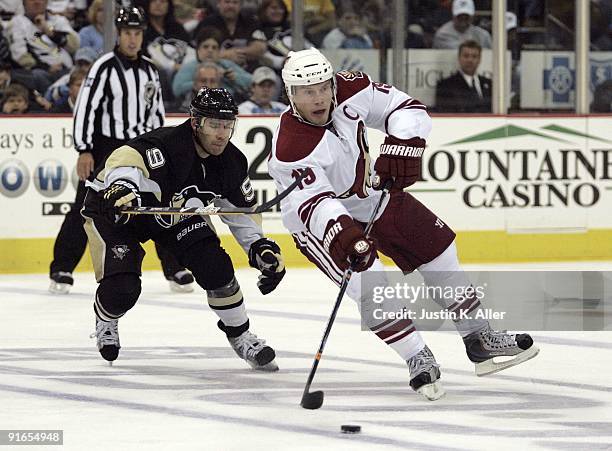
[{"x": 131, "y": 18}]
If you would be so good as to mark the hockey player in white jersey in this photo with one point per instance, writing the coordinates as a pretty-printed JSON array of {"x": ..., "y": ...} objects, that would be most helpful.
[{"x": 324, "y": 135}]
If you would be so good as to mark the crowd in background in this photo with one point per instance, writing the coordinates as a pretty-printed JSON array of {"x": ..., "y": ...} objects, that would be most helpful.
[{"x": 47, "y": 46}]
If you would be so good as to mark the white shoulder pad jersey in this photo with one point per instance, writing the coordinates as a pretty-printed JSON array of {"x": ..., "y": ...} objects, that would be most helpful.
[{"x": 336, "y": 158}]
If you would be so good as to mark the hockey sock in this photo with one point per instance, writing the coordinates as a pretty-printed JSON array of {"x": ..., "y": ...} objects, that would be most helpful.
[
  {"x": 400, "y": 334},
  {"x": 444, "y": 272},
  {"x": 228, "y": 304}
]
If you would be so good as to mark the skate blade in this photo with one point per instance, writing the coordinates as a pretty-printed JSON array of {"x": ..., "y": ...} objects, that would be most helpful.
[
  {"x": 490, "y": 366},
  {"x": 432, "y": 392},
  {"x": 59, "y": 288},
  {"x": 269, "y": 367},
  {"x": 176, "y": 288}
]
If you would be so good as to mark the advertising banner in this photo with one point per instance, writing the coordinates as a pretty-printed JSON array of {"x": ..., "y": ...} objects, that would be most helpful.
[
  {"x": 548, "y": 79},
  {"x": 513, "y": 188}
]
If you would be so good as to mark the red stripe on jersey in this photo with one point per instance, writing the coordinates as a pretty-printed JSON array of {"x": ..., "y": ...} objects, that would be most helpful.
[
  {"x": 305, "y": 210},
  {"x": 410, "y": 104},
  {"x": 321, "y": 260},
  {"x": 350, "y": 83},
  {"x": 296, "y": 140}
]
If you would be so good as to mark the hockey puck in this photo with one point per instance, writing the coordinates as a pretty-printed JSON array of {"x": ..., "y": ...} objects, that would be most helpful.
[{"x": 350, "y": 428}]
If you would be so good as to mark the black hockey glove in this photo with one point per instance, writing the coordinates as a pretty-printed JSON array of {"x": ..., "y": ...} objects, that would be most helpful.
[
  {"x": 264, "y": 255},
  {"x": 121, "y": 192}
]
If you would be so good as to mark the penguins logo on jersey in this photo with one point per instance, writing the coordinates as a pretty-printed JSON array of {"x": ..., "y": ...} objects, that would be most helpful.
[
  {"x": 188, "y": 197},
  {"x": 149, "y": 92},
  {"x": 120, "y": 251}
]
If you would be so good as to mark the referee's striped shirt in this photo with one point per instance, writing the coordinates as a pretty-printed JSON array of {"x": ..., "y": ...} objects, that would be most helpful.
[{"x": 119, "y": 99}]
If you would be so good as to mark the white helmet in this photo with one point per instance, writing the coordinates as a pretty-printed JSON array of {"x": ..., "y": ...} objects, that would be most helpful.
[{"x": 306, "y": 67}]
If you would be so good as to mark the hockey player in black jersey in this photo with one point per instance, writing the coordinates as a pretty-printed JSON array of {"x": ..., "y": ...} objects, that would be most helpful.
[{"x": 184, "y": 166}]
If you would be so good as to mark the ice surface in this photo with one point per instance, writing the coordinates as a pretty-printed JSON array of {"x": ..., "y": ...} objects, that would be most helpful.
[{"x": 177, "y": 385}]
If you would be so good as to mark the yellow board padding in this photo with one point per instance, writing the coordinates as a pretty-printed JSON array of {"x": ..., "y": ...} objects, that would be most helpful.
[{"x": 33, "y": 255}]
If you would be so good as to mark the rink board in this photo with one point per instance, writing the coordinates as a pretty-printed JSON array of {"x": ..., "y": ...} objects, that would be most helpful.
[{"x": 514, "y": 188}]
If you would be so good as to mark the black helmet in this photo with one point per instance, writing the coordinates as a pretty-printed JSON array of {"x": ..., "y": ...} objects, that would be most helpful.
[
  {"x": 217, "y": 103},
  {"x": 130, "y": 18}
]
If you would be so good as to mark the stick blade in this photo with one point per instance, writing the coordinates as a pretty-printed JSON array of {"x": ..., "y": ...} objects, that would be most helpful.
[{"x": 312, "y": 400}]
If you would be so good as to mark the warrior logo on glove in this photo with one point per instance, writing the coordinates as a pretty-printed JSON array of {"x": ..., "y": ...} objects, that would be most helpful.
[
  {"x": 400, "y": 160},
  {"x": 347, "y": 244}
]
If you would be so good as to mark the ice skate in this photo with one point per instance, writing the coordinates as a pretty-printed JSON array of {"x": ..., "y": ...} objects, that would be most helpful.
[
  {"x": 61, "y": 282},
  {"x": 425, "y": 375},
  {"x": 254, "y": 351},
  {"x": 486, "y": 345},
  {"x": 181, "y": 282},
  {"x": 107, "y": 339}
]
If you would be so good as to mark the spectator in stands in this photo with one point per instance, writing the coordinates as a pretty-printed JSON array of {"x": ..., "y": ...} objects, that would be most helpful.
[
  {"x": 10, "y": 8},
  {"x": 10, "y": 77},
  {"x": 58, "y": 92},
  {"x": 74, "y": 85},
  {"x": 165, "y": 41},
  {"x": 465, "y": 91},
  {"x": 350, "y": 32},
  {"x": 5, "y": 77},
  {"x": 428, "y": 15},
  {"x": 235, "y": 79},
  {"x": 206, "y": 74},
  {"x": 64, "y": 8},
  {"x": 5, "y": 49},
  {"x": 241, "y": 40},
  {"x": 273, "y": 17},
  {"x": 319, "y": 19},
  {"x": 161, "y": 21},
  {"x": 264, "y": 88},
  {"x": 189, "y": 13},
  {"x": 92, "y": 35},
  {"x": 602, "y": 98},
  {"x": 15, "y": 100},
  {"x": 460, "y": 28},
  {"x": 42, "y": 43}
]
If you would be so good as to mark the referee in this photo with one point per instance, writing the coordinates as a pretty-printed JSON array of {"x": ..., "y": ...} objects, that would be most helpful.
[{"x": 120, "y": 99}]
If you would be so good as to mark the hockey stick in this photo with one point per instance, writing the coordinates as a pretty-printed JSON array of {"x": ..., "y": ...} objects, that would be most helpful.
[
  {"x": 211, "y": 209},
  {"x": 314, "y": 400}
]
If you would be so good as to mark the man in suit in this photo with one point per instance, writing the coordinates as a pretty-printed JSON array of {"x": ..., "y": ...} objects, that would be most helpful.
[{"x": 465, "y": 91}]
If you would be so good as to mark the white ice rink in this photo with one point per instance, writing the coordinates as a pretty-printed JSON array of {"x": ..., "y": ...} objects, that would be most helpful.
[{"x": 178, "y": 386}]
